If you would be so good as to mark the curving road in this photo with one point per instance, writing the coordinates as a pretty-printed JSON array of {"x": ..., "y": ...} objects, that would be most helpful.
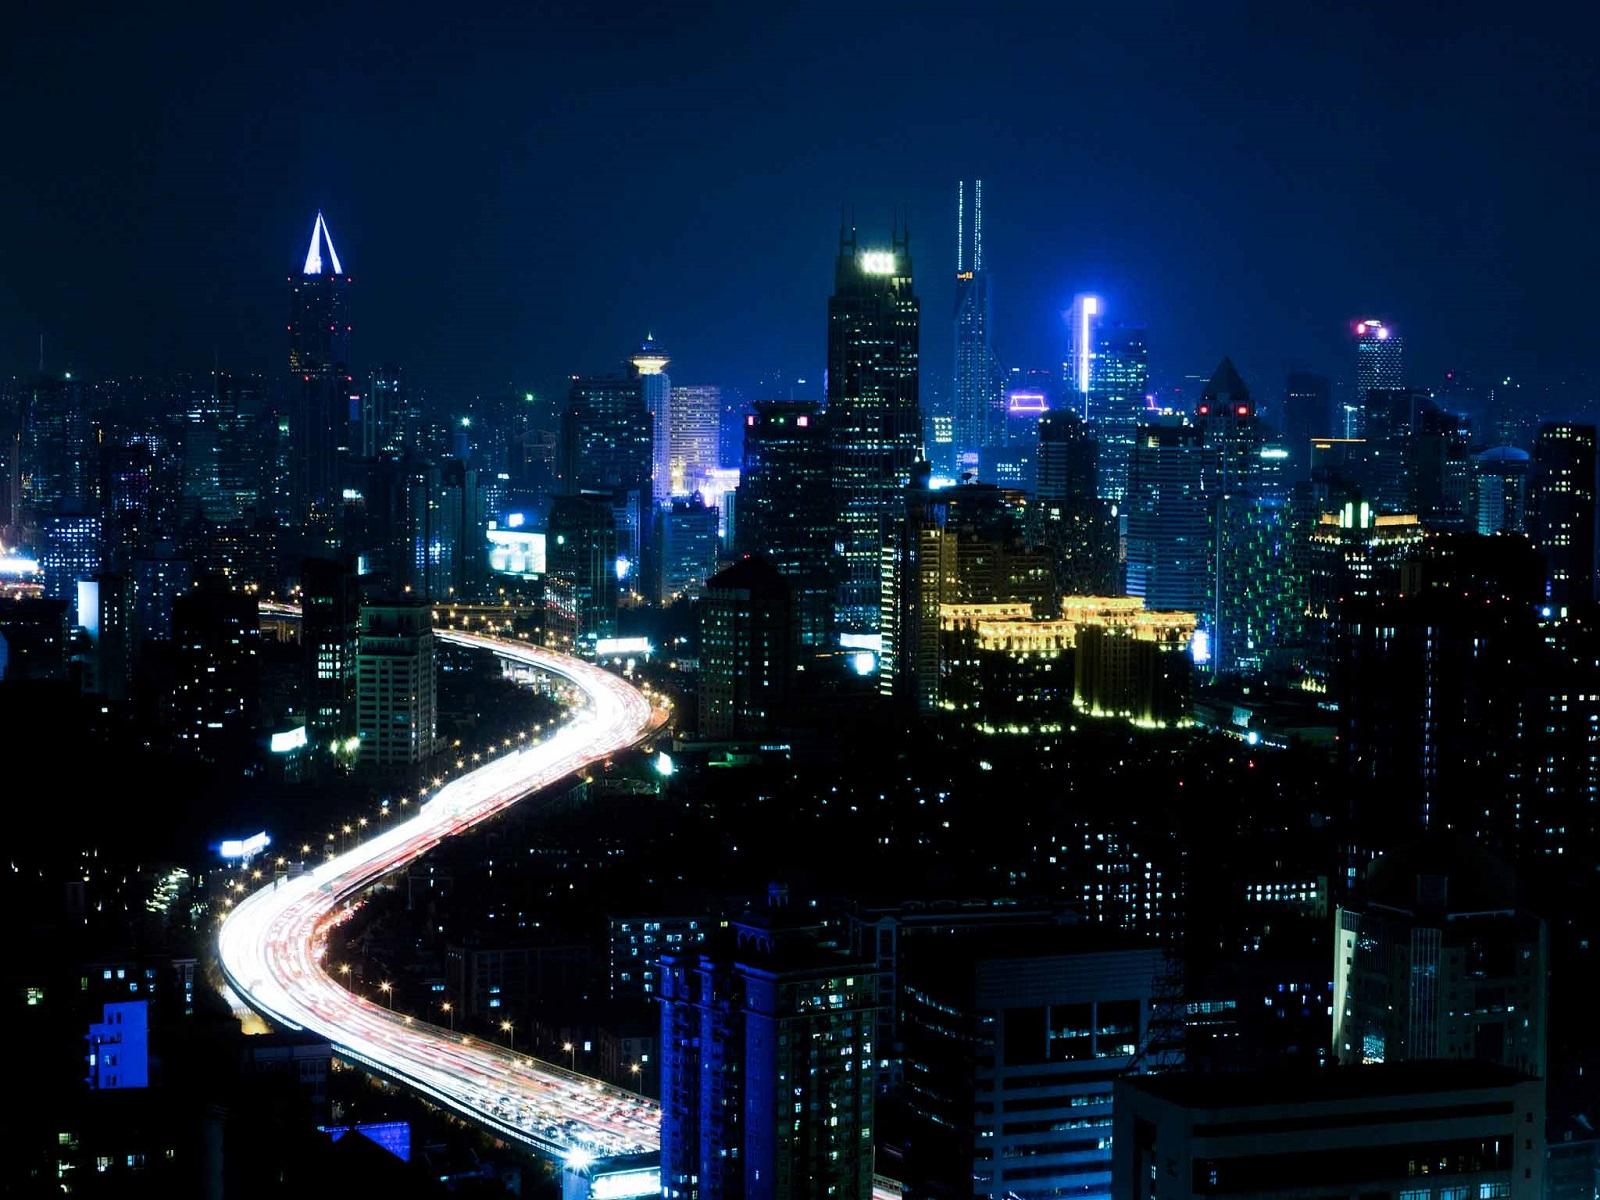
[{"x": 272, "y": 944}]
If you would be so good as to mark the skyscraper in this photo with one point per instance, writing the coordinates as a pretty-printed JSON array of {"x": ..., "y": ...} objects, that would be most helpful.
[
  {"x": 974, "y": 397},
  {"x": 1119, "y": 377},
  {"x": 1072, "y": 521},
  {"x": 650, "y": 365},
  {"x": 1169, "y": 518},
  {"x": 319, "y": 364},
  {"x": 1307, "y": 414},
  {"x": 786, "y": 505},
  {"x": 696, "y": 437},
  {"x": 768, "y": 1069},
  {"x": 1378, "y": 365},
  {"x": 746, "y": 649},
  {"x": 873, "y": 412},
  {"x": 1083, "y": 333},
  {"x": 1562, "y": 520},
  {"x": 685, "y": 548},
  {"x": 330, "y": 631}
]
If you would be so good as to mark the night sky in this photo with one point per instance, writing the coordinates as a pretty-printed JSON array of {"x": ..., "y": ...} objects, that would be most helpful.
[{"x": 521, "y": 193}]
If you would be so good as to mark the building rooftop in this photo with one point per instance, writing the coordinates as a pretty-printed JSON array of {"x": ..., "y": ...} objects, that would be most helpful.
[{"x": 1261, "y": 1089}]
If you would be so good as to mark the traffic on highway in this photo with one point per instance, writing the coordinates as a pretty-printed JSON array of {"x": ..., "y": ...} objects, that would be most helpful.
[{"x": 273, "y": 944}]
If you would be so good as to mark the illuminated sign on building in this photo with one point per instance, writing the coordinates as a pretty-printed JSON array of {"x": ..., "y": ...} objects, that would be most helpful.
[
  {"x": 393, "y": 1136},
  {"x": 877, "y": 262},
  {"x": 516, "y": 552},
  {"x": 284, "y": 743},
  {"x": 1026, "y": 404},
  {"x": 619, "y": 647},
  {"x": 244, "y": 849}
]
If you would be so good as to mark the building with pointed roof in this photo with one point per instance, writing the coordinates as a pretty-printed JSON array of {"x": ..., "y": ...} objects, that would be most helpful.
[{"x": 319, "y": 363}]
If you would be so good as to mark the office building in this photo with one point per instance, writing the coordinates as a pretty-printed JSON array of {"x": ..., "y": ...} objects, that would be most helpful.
[
  {"x": 1378, "y": 365},
  {"x": 768, "y": 1066},
  {"x": 55, "y": 447},
  {"x": 1119, "y": 382},
  {"x": 686, "y": 546},
  {"x": 957, "y": 546},
  {"x": 1433, "y": 959},
  {"x": 1169, "y": 517},
  {"x": 1259, "y": 596},
  {"x": 214, "y": 702},
  {"x": 581, "y": 554},
  {"x": 786, "y": 506},
  {"x": 119, "y": 1047},
  {"x": 873, "y": 413},
  {"x": 1011, "y": 1039},
  {"x": 1562, "y": 516},
  {"x": 695, "y": 449},
  {"x": 607, "y": 436},
  {"x": 330, "y": 635},
  {"x": 1350, "y": 554},
  {"x": 1071, "y": 522},
  {"x": 1500, "y": 479},
  {"x": 1413, "y": 1131},
  {"x": 1231, "y": 432},
  {"x": 388, "y": 413},
  {"x": 746, "y": 649},
  {"x": 396, "y": 685},
  {"x": 1077, "y": 366},
  {"x": 974, "y": 400},
  {"x": 105, "y": 619},
  {"x": 1307, "y": 414},
  {"x": 636, "y": 947},
  {"x": 70, "y": 549},
  {"x": 650, "y": 369},
  {"x": 319, "y": 370}
]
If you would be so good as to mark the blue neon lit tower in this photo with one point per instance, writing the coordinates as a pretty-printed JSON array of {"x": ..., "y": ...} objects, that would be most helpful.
[{"x": 319, "y": 361}]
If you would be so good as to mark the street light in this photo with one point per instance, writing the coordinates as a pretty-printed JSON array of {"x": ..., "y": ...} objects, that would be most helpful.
[
  {"x": 451, "y": 1013},
  {"x": 635, "y": 1069},
  {"x": 572, "y": 1050},
  {"x": 344, "y": 969},
  {"x": 511, "y": 1035},
  {"x": 387, "y": 989}
]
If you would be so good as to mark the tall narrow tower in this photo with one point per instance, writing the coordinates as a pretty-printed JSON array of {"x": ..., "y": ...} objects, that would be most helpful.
[
  {"x": 651, "y": 364},
  {"x": 975, "y": 398},
  {"x": 319, "y": 361},
  {"x": 873, "y": 412}
]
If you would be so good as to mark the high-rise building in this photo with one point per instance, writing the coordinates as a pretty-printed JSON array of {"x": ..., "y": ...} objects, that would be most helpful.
[
  {"x": 1119, "y": 380},
  {"x": 214, "y": 703},
  {"x": 55, "y": 445},
  {"x": 1500, "y": 478},
  {"x": 330, "y": 636},
  {"x": 1562, "y": 516},
  {"x": 974, "y": 401},
  {"x": 696, "y": 437},
  {"x": 1258, "y": 597},
  {"x": 1226, "y": 418},
  {"x": 1071, "y": 521},
  {"x": 1169, "y": 517},
  {"x": 396, "y": 685},
  {"x": 686, "y": 546},
  {"x": 873, "y": 413},
  {"x": 319, "y": 368},
  {"x": 1350, "y": 554},
  {"x": 747, "y": 640},
  {"x": 105, "y": 615},
  {"x": 387, "y": 415},
  {"x": 1083, "y": 337},
  {"x": 1435, "y": 959},
  {"x": 650, "y": 368},
  {"x": 1011, "y": 1040},
  {"x": 768, "y": 1066},
  {"x": 70, "y": 549},
  {"x": 786, "y": 506},
  {"x": 1307, "y": 414},
  {"x": 581, "y": 553},
  {"x": 159, "y": 578},
  {"x": 1436, "y": 1130},
  {"x": 1378, "y": 365}
]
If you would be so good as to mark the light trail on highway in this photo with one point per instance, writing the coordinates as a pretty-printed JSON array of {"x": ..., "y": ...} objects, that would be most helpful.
[{"x": 273, "y": 944}]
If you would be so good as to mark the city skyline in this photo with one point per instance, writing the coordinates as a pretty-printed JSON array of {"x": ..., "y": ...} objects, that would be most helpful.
[{"x": 1271, "y": 278}]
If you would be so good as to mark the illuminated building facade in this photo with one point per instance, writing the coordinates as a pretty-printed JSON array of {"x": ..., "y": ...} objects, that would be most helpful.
[
  {"x": 650, "y": 368},
  {"x": 768, "y": 1066},
  {"x": 215, "y": 694},
  {"x": 786, "y": 506},
  {"x": 1500, "y": 478},
  {"x": 1071, "y": 521},
  {"x": 70, "y": 550},
  {"x": 1562, "y": 520},
  {"x": 607, "y": 441},
  {"x": 977, "y": 421},
  {"x": 581, "y": 555},
  {"x": 873, "y": 414},
  {"x": 961, "y": 545},
  {"x": 1119, "y": 381},
  {"x": 396, "y": 685},
  {"x": 695, "y": 448},
  {"x": 686, "y": 546},
  {"x": 319, "y": 368},
  {"x": 1169, "y": 517},
  {"x": 1352, "y": 553},
  {"x": 1258, "y": 597},
  {"x": 1379, "y": 364}
]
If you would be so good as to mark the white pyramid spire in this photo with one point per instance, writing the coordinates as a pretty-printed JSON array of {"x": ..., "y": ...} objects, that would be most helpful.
[{"x": 320, "y": 234}]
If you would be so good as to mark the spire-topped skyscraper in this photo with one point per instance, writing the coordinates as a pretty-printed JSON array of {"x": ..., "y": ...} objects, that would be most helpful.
[
  {"x": 319, "y": 360},
  {"x": 650, "y": 362},
  {"x": 873, "y": 411},
  {"x": 975, "y": 400}
]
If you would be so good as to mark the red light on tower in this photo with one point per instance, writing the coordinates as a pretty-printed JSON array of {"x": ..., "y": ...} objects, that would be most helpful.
[{"x": 1244, "y": 410}]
